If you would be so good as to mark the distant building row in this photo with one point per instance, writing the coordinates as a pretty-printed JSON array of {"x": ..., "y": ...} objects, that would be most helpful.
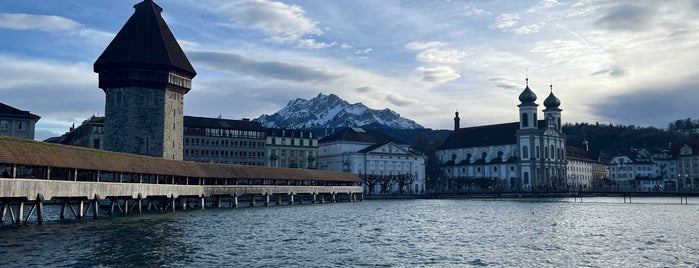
[{"x": 389, "y": 165}]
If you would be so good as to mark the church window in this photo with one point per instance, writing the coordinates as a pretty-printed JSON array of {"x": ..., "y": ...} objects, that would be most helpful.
[
  {"x": 535, "y": 119},
  {"x": 484, "y": 155},
  {"x": 526, "y": 177},
  {"x": 525, "y": 120},
  {"x": 468, "y": 157},
  {"x": 538, "y": 152},
  {"x": 552, "y": 152},
  {"x": 500, "y": 154},
  {"x": 525, "y": 152}
]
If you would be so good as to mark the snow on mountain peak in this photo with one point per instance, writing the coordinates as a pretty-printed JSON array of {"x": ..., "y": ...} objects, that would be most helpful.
[{"x": 331, "y": 111}]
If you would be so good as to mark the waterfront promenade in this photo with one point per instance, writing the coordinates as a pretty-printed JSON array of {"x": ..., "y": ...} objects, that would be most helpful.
[{"x": 84, "y": 180}]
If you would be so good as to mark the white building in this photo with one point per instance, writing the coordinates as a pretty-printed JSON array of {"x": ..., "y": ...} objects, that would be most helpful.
[
  {"x": 290, "y": 148},
  {"x": 688, "y": 167},
  {"x": 524, "y": 155},
  {"x": 387, "y": 165},
  {"x": 17, "y": 123},
  {"x": 642, "y": 170}
]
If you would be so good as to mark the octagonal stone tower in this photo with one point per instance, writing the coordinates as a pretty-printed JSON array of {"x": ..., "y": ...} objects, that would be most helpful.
[{"x": 145, "y": 75}]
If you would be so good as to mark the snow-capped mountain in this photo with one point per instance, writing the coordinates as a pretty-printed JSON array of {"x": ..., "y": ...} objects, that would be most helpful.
[{"x": 330, "y": 111}]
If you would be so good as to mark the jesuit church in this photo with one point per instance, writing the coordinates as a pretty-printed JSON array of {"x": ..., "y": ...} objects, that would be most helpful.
[{"x": 524, "y": 155}]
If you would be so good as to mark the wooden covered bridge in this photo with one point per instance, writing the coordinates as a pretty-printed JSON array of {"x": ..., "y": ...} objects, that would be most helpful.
[{"x": 82, "y": 180}]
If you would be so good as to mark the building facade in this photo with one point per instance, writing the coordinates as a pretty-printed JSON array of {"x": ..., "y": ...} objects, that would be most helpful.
[
  {"x": 17, "y": 123},
  {"x": 525, "y": 155},
  {"x": 644, "y": 170},
  {"x": 228, "y": 141},
  {"x": 89, "y": 134},
  {"x": 584, "y": 171},
  {"x": 688, "y": 167},
  {"x": 145, "y": 75},
  {"x": 386, "y": 165},
  {"x": 289, "y": 148}
]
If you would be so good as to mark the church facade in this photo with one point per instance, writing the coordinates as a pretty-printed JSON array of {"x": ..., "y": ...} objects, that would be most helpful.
[{"x": 519, "y": 156}]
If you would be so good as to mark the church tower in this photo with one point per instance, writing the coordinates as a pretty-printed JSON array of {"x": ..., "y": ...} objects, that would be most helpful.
[
  {"x": 552, "y": 113},
  {"x": 145, "y": 75},
  {"x": 457, "y": 121},
  {"x": 528, "y": 138}
]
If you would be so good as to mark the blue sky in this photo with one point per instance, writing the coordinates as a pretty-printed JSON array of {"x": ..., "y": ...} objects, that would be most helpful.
[{"x": 620, "y": 62}]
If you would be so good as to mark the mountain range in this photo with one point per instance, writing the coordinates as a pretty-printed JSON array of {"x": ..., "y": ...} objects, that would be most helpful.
[{"x": 332, "y": 112}]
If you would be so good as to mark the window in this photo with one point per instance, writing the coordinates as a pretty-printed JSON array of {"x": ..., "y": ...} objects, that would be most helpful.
[
  {"x": 4, "y": 125},
  {"x": 525, "y": 120},
  {"x": 21, "y": 126},
  {"x": 525, "y": 152}
]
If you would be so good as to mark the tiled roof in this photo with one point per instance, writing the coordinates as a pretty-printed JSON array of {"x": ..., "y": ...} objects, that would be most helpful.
[
  {"x": 9, "y": 111},
  {"x": 489, "y": 135},
  {"x": 28, "y": 152},
  {"x": 145, "y": 39},
  {"x": 353, "y": 134},
  {"x": 206, "y": 122}
]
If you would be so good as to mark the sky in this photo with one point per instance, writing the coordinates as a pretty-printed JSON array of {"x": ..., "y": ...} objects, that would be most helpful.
[{"x": 618, "y": 62}]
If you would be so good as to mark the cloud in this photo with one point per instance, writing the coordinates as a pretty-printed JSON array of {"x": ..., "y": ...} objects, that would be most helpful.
[
  {"x": 400, "y": 100},
  {"x": 560, "y": 49},
  {"x": 613, "y": 72},
  {"x": 505, "y": 21},
  {"x": 437, "y": 55},
  {"x": 271, "y": 69},
  {"x": 543, "y": 4},
  {"x": 37, "y": 22},
  {"x": 650, "y": 106},
  {"x": 532, "y": 28},
  {"x": 505, "y": 82},
  {"x": 438, "y": 74},
  {"x": 421, "y": 45},
  {"x": 363, "y": 51},
  {"x": 471, "y": 10},
  {"x": 626, "y": 18},
  {"x": 286, "y": 24}
]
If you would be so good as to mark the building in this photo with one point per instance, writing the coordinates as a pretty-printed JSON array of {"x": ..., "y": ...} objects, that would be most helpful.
[
  {"x": 89, "y": 134},
  {"x": 17, "y": 123},
  {"x": 644, "y": 170},
  {"x": 289, "y": 148},
  {"x": 219, "y": 140},
  {"x": 583, "y": 171},
  {"x": 144, "y": 74},
  {"x": 386, "y": 165},
  {"x": 524, "y": 155},
  {"x": 688, "y": 167}
]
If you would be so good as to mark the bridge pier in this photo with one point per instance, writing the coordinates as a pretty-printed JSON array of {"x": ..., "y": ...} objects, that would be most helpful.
[
  {"x": 291, "y": 198},
  {"x": 235, "y": 200},
  {"x": 334, "y": 198},
  {"x": 314, "y": 199},
  {"x": 279, "y": 199},
  {"x": 322, "y": 198},
  {"x": 266, "y": 199},
  {"x": 202, "y": 202}
]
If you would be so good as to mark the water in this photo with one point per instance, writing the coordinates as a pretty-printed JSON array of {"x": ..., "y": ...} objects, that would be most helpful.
[{"x": 600, "y": 232}]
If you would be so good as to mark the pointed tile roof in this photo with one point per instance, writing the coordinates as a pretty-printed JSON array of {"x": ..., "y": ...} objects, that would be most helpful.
[
  {"x": 145, "y": 39},
  {"x": 9, "y": 111}
]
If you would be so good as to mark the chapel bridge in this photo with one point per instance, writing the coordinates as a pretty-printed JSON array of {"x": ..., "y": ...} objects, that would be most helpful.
[{"x": 83, "y": 180}]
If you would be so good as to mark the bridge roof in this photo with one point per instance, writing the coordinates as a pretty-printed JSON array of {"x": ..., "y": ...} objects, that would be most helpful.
[{"x": 34, "y": 153}]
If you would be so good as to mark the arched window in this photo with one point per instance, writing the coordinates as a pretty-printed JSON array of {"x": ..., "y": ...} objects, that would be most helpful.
[
  {"x": 468, "y": 157},
  {"x": 552, "y": 152},
  {"x": 500, "y": 154},
  {"x": 525, "y": 120},
  {"x": 525, "y": 152},
  {"x": 538, "y": 152},
  {"x": 484, "y": 155},
  {"x": 526, "y": 177}
]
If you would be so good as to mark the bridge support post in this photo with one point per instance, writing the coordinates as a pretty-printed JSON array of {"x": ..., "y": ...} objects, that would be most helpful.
[
  {"x": 81, "y": 212},
  {"x": 172, "y": 203},
  {"x": 266, "y": 199},
  {"x": 314, "y": 199},
  {"x": 219, "y": 202},
  {"x": 64, "y": 209},
  {"x": 126, "y": 206},
  {"x": 202, "y": 202},
  {"x": 39, "y": 211},
  {"x": 322, "y": 198},
  {"x": 334, "y": 198},
  {"x": 235, "y": 200},
  {"x": 301, "y": 199},
  {"x": 20, "y": 212},
  {"x": 291, "y": 198},
  {"x": 279, "y": 199},
  {"x": 139, "y": 204},
  {"x": 96, "y": 207}
]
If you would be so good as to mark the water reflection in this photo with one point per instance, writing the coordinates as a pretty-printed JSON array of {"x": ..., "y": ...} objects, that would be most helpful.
[{"x": 597, "y": 232}]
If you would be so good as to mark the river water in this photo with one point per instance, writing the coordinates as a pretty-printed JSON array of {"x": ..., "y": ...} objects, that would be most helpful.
[{"x": 599, "y": 232}]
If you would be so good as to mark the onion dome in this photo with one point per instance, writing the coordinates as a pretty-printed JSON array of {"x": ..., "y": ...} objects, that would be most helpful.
[
  {"x": 551, "y": 101},
  {"x": 527, "y": 96}
]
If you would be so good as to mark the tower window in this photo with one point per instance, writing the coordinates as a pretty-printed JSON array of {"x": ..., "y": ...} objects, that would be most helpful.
[{"x": 525, "y": 120}]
